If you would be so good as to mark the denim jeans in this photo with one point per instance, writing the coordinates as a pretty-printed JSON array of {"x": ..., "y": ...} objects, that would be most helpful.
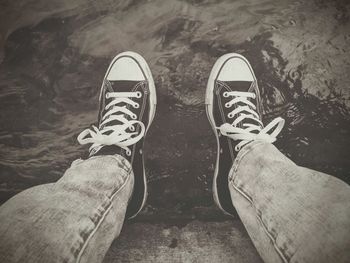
[
  {"x": 291, "y": 213},
  {"x": 73, "y": 220}
]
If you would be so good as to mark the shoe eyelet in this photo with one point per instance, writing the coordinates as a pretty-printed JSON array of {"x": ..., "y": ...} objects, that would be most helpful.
[
  {"x": 230, "y": 115},
  {"x": 225, "y": 94},
  {"x": 254, "y": 96},
  {"x": 138, "y": 94},
  {"x": 136, "y": 105},
  {"x": 237, "y": 148},
  {"x": 107, "y": 95},
  {"x": 132, "y": 128},
  {"x": 227, "y": 105},
  {"x": 134, "y": 117}
]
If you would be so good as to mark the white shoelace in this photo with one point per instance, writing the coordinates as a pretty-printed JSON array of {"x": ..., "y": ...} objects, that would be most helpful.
[
  {"x": 116, "y": 134},
  {"x": 250, "y": 132}
]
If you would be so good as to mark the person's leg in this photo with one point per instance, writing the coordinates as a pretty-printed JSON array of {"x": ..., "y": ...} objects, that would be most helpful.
[
  {"x": 73, "y": 220},
  {"x": 291, "y": 213},
  {"x": 76, "y": 219}
]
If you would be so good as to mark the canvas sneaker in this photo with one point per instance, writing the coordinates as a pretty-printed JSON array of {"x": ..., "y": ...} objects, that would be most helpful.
[
  {"x": 127, "y": 107},
  {"x": 234, "y": 110}
]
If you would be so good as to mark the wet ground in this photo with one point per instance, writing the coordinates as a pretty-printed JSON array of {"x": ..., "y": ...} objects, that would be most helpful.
[
  {"x": 54, "y": 54},
  {"x": 207, "y": 242}
]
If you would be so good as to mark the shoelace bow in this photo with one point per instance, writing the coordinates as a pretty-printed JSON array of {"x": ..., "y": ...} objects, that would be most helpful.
[
  {"x": 249, "y": 132},
  {"x": 115, "y": 134}
]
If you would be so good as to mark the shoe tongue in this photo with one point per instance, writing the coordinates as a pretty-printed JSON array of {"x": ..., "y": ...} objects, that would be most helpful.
[
  {"x": 122, "y": 85},
  {"x": 243, "y": 86},
  {"x": 118, "y": 86},
  {"x": 113, "y": 86}
]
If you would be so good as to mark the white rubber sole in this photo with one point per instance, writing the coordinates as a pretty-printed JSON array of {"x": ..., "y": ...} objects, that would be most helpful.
[
  {"x": 153, "y": 102},
  {"x": 209, "y": 109}
]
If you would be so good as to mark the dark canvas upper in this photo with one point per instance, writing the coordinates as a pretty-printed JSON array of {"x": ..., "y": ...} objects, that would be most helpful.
[{"x": 227, "y": 153}]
